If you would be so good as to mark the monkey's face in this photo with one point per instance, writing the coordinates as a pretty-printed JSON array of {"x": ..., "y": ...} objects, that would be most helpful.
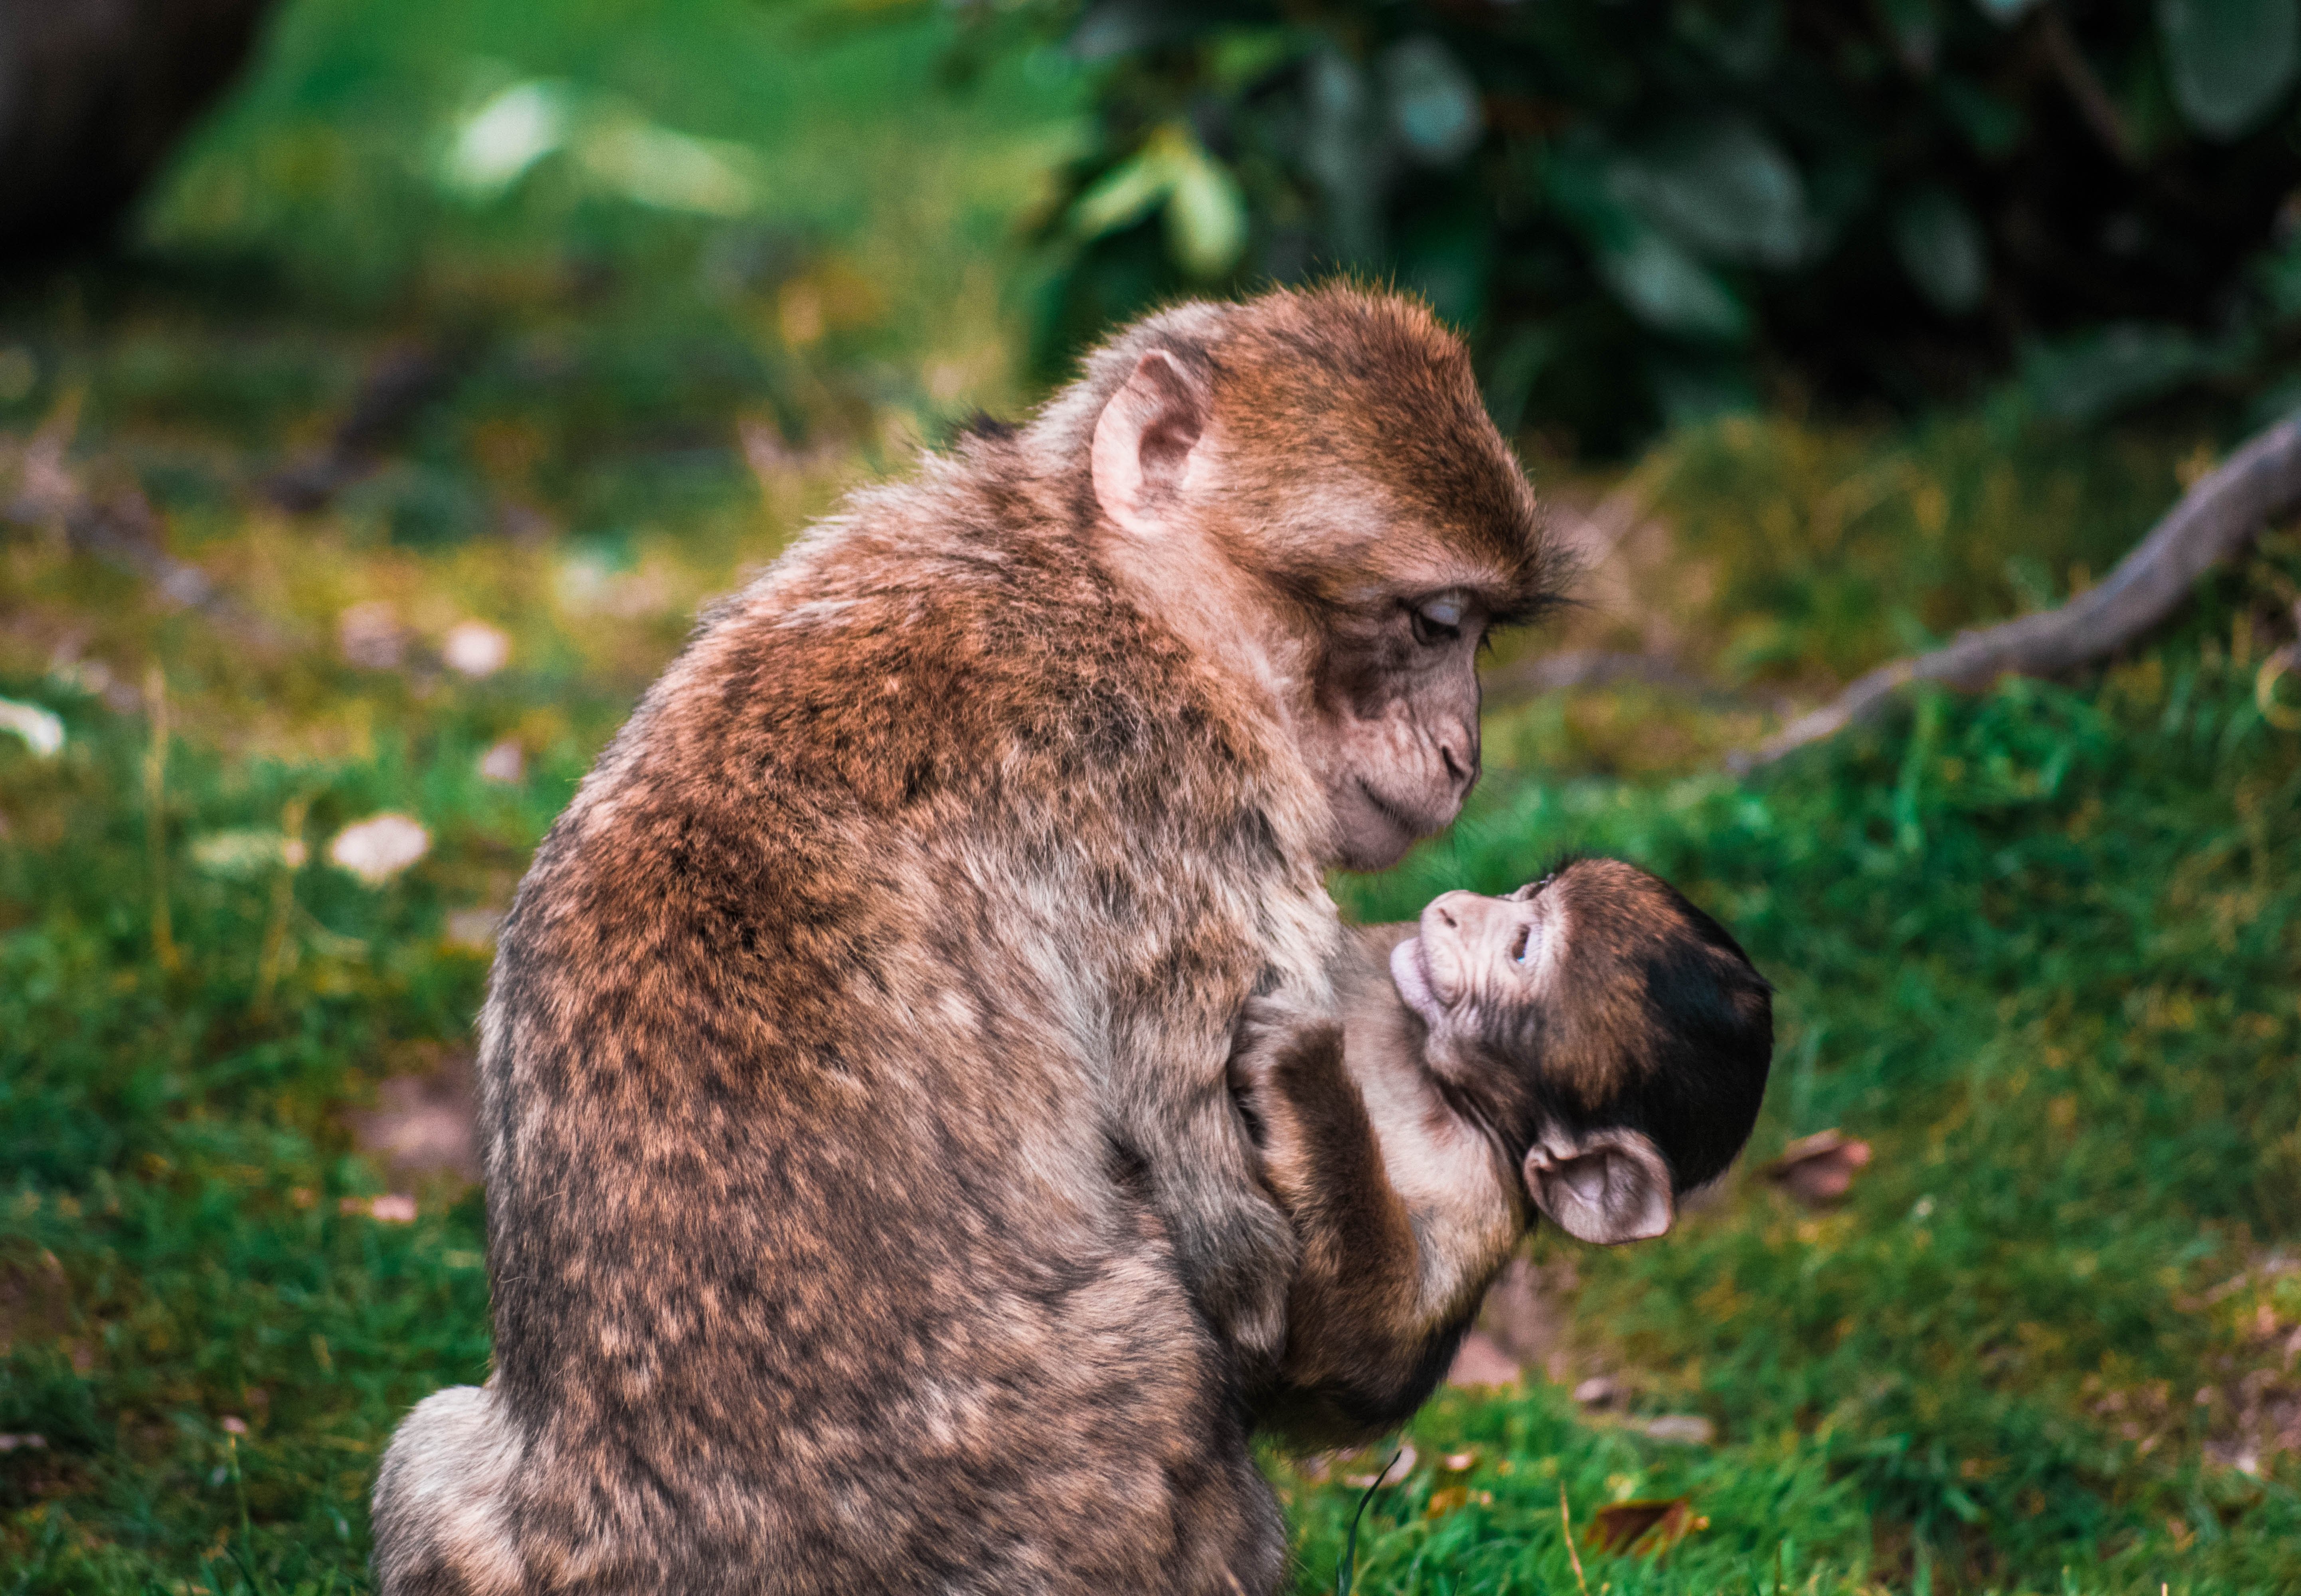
[
  {"x": 1393, "y": 731},
  {"x": 1310, "y": 490},
  {"x": 1476, "y": 963},
  {"x": 1609, "y": 1031},
  {"x": 1489, "y": 977}
]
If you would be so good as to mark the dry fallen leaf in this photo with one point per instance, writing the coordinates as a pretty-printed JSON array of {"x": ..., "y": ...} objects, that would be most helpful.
[
  {"x": 371, "y": 637},
  {"x": 393, "y": 1207},
  {"x": 1599, "y": 1391},
  {"x": 503, "y": 761},
  {"x": 1818, "y": 1170},
  {"x": 424, "y": 1125},
  {"x": 1654, "y": 1525}
]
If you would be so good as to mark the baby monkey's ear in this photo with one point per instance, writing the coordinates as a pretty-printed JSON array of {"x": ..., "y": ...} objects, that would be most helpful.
[{"x": 1606, "y": 1186}]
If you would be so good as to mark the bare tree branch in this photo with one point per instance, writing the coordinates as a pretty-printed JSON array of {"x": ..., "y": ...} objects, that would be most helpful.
[
  {"x": 398, "y": 386},
  {"x": 2215, "y": 520},
  {"x": 2092, "y": 102},
  {"x": 94, "y": 95}
]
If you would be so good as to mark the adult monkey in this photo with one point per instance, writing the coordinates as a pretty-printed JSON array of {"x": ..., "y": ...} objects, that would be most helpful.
[{"x": 868, "y": 1210}]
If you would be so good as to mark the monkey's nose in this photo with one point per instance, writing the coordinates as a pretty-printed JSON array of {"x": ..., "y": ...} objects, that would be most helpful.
[{"x": 1461, "y": 767}]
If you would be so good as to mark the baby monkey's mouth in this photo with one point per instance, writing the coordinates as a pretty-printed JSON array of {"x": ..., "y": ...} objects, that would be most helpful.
[{"x": 1409, "y": 972}]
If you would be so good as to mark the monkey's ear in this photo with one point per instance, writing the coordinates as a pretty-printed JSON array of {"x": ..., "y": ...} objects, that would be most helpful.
[
  {"x": 1606, "y": 1186},
  {"x": 1145, "y": 442}
]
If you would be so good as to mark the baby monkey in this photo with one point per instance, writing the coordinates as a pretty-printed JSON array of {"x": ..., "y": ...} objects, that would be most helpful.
[{"x": 1591, "y": 1045}]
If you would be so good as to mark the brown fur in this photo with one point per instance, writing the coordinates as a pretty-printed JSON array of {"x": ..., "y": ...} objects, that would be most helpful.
[
  {"x": 868, "y": 1208},
  {"x": 1396, "y": 1151}
]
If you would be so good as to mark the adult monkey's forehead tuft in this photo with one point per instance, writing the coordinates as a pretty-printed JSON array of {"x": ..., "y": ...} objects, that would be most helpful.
[
  {"x": 1357, "y": 455},
  {"x": 1347, "y": 393}
]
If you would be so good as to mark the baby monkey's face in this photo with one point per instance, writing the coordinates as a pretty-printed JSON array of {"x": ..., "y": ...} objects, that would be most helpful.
[
  {"x": 1476, "y": 960},
  {"x": 1610, "y": 1033}
]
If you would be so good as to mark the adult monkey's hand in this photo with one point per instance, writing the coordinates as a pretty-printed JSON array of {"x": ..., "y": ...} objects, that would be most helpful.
[{"x": 868, "y": 1208}]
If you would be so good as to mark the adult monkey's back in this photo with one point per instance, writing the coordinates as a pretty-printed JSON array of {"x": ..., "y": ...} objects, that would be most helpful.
[{"x": 867, "y": 1211}]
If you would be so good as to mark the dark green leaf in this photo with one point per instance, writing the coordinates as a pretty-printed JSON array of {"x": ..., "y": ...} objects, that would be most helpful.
[
  {"x": 1434, "y": 105},
  {"x": 1668, "y": 289},
  {"x": 1725, "y": 189},
  {"x": 2230, "y": 61},
  {"x": 1942, "y": 249},
  {"x": 2097, "y": 375}
]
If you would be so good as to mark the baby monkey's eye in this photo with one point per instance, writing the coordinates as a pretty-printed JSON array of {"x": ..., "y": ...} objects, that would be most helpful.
[{"x": 1518, "y": 947}]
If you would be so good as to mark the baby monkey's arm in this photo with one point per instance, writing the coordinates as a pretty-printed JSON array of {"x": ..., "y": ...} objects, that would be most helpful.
[{"x": 1400, "y": 1230}]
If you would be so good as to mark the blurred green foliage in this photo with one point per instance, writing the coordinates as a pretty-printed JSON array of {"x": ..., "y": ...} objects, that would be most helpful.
[
  {"x": 632, "y": 237},
  {"x": 2039, "y": 948},
  {"x": 1651, "y": 210},
  {"x": 695, "y": 270},
  {"x": 382, "y": 153}
]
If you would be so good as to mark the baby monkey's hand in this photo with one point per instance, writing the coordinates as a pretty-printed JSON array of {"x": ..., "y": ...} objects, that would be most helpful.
[{"x": 1285, "y": 1065}]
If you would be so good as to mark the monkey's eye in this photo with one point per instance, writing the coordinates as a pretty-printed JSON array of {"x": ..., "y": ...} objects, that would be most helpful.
[
  {"x": 1439, "y": 621},
  {"x": 1519, "y": 946}
]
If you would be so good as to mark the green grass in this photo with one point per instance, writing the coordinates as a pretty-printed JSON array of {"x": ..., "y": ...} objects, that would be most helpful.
[{"x": 2039, "y": 947}]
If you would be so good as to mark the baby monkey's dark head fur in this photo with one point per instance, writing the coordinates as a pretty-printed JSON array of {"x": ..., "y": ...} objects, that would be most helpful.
[{"x": 1613, "y": 1035}]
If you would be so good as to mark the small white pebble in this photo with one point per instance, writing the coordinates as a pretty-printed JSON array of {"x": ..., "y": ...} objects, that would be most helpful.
[
  {"x": 380, "y": 847},
  {"x": 504, "y": 762},
  {"x": 42, "y": 730},
  {"x": 476, "y": 649}
]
